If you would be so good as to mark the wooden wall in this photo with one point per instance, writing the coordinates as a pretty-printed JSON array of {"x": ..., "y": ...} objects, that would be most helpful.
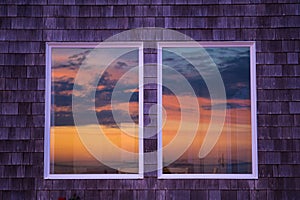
[{"x": 26, "y": 25}]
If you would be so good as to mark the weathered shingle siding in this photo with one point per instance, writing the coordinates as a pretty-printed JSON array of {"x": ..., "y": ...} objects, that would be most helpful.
[{"x": 26, "y": 25}]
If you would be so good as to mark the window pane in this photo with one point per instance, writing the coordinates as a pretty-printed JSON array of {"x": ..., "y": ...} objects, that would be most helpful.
[
  {"x": 83, "y": 82},
  {"x": 229, "y": 152}
]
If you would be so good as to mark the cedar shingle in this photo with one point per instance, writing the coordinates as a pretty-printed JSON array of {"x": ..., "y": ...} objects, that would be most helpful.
[
  {"x": 248, "y": 34},
  {"x": 24, "y": 108},
  {"x": 150, "y": 145},
  {"x": 291, "y": 70},
  {"x": 19, "y": 72},
  {"x": 4, "y": 46},
  {"x": 265, "y": 145},
  {"x": 56, "y": 2},
  {"x": 12, "y": 10},
  {"x": 38, "y": 133},
  {"x": 27, "y": 84},
  {"x": 150, "y": 120},
  {"x": 292, "y": 58},
  {"x": 234, "y": 10},
  {"x": 4, "y": 184},
  {"x": 25, "y": 47},
  {"x": 280, "y": 58},
  {"x": 42, "y": 195},
  {"x": 291, "y": 9},
  {"x": 69, "y": 2},
  {"x": 150, "y": 83},
  {"x": 79, "y": 184},
  {"x": 146, "y": 194},
  {"x": 245, "y": 184},
  {"x": 294, "y": 107},
  {"x": 291, "y": 46},
  {"x": 91, "y": 194},
  {"x": 27, "y": 160},
  {"x": 288, "y": 158},
  {"x": 4, "y": 132},
  {"x": 269, "y": 70},
  {"x": 150, "y": 132},
  {"x": 150, "y": 158},
  {"x": 41, "y": 84},
  {"x": 265, "y": 34},
  {"x": 11, "y": 84},
  {"x": 9, "y": 108},
  {"x": 196, "y": 194},
  {"x": 34, "y": 59},
  {"x": 55, "y": 194},
  {"x": 123, "y": 194},
  {"x": 177, "y": 194},
  {"x": 227, "y": 195},
  {"x": 36, "y": 72},
  {"x": 26, "y": 23},
  {"x": 214, "y": 194},
  {"x": 2, "y": 83},
  {"x": 224, "y": 184},
  {"x": 287, "y": 34},
  {"x": 297, "y": 121},
  {"x": 282, "y": 145},
  {"x": 5, "y": 23},
  {"x": 6, "y": 72},
  {"x": 150, "y": 96},
  {"x": 42, "y": 184},
  {"x": 290, "y": 194},
  {"x": 106, "y": 194},
  {"x": 29, "y": 11},
  {"x": 272, "y": 108},
  {"x": 160, "y": 194},
  {"x": 16, "y": 158},
  {"x": 241, "y": 194},
  {"x": 265, "y": 171}
]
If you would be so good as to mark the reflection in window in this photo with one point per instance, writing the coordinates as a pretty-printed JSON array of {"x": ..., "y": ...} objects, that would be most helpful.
[
  {"x": 102, "y": 138},
  {"x": 230, "y": 154}
]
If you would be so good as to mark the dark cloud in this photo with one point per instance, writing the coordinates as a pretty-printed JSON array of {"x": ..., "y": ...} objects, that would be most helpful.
[
  {"x": 121, "y": 65},
  {"x": 78, "y": 59},
  {"x": 105, "y": 117},
  {"x": 233, "y": 65},
  {"x": 73, "y": 62},
  {"x": 62, "y": 118},
  {"x": 61, "y": 100},
  {"x": 134, "y": 97},
  {"x": 227, "y": 106},
  {"x": 63, "y": 85}
]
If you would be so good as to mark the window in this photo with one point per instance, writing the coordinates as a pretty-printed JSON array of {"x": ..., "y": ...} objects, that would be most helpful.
[
  {"x": 207, "y": 120},
  {"x": 94, "y": 112}
]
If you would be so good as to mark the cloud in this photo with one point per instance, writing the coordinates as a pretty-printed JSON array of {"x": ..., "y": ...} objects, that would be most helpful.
[
  {"x": 105, "y": 117},
  {"x": 121, "y": 65},
  {"x": 233, "y": 64},
  {"x": 78, "y": 59},
  {"x": 62, "y": 118},
  {"x": 227, "y": 105},
  {"x": 66, "y": 63}
]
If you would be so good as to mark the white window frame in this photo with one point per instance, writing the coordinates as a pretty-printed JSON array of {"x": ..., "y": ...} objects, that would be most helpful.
[
  {"x": 251, "y": 45},
  {"x": 72, "y": 45}
]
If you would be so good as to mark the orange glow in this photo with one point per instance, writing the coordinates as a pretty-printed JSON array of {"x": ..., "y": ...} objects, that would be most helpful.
[
  {"x": 67, "y": 146},
  {"x": 61, "y": 108},
  {"x": 65, "y": 142},
  {"x": 236, "y": 133},
  {"x": 63, "y": 73}
]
